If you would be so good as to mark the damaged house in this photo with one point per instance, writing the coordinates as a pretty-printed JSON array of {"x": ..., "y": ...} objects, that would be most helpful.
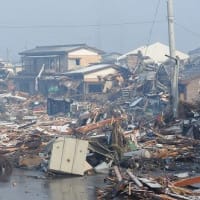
[
  {"x": 99, "y": 78},
  {"x": 189, "y": 83},
  {"x": 151, "y": 71},
  {"x": 43, "y": 65}
]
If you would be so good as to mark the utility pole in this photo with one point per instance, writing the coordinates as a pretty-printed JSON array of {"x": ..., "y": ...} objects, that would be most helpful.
[
  {"x": 171, "y": 28},
  {"x": 175, "y": 68}
]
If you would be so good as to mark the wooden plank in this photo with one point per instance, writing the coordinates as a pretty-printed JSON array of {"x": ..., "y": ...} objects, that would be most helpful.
[
  {"x": 188, "y": 181},
  {"x": 134, "y": 178},
  {"x": 118, "y": 174}
]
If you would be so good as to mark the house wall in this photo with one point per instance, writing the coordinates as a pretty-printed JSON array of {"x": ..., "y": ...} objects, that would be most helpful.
[
  {"x": 63, "y": 63},
  {"x": 193, "y": 90},
  {"x": 57, "y": 63},
  {"x": 25, "y": 85},
  {"x": 93, "y": 84},
  {"x": 93, "y": 77},
  {"x": 60, "y": 62},
  {"x": 85, "y": 56}
]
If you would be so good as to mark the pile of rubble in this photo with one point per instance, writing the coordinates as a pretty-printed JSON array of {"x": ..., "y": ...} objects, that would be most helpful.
[
  {"x": 144, "y": 154},
  {"x": 155, "y": 168},
  {"x": 126, "y": 185},
  {"x": 160, "y": 163}
]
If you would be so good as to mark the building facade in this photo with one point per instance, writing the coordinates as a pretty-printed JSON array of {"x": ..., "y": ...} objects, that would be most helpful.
[{"x": 53, "y": 61}]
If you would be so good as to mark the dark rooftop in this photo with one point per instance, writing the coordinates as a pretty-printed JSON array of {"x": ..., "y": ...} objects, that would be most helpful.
[{"x": 57, "y": 49}]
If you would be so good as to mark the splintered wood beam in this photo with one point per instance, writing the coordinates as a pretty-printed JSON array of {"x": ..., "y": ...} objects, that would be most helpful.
[
  {"x": 118, "y": 174},
  {"x": 188, "y": 181},
  {"x": 90, "y": 127},
  {"x": 134, "y": 178}
]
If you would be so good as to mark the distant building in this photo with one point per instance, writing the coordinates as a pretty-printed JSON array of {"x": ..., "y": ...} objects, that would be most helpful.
[
  {"x": 51, "y": 61},
  {"x": 189, "y": 88},
  {"x": 194, "y": 60},
  {"x": 110, "y": 57},
  {"x": 195, "y": 52},
  {"x": 60, "y": 58},
  {"x": 189, "y": 78},
  {"x": 154, "y": 53}
]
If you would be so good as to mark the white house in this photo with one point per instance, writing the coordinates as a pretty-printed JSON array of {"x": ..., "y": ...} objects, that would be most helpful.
[{"x": 155, "y": 52}]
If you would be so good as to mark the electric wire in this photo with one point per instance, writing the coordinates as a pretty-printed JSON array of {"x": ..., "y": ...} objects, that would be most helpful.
[
  {"x": 152, "y": 26},
  {"x": 3, "y": 26},
  {"x": 187, "y": 29}
]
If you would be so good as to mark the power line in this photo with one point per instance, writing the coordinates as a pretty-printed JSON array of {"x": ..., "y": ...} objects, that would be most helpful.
[
  {"x": 188, "y": 30},
  {"x": 7, "y": 26},
  {"x": 153, "y": 24}
]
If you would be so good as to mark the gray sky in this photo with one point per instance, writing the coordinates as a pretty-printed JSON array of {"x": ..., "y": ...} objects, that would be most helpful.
[{"x": 111, "y": 25}]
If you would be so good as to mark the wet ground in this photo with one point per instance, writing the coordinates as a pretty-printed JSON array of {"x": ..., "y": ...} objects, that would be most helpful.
[{"x": 30, "y": 185}]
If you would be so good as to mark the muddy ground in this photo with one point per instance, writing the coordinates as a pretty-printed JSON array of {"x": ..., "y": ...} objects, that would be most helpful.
[{"x": 32, "y": 185}]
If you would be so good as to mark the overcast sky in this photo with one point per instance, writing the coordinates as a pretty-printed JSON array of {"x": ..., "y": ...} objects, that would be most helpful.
[{"x": 111, "y": 25}]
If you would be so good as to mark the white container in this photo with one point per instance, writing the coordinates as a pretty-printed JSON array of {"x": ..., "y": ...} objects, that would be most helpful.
[{"x": 68, "y": 155}]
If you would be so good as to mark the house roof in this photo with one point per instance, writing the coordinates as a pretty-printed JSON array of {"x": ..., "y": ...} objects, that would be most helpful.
[
  {"x": 194, "y": 52},
  {"x": 57, "y": 49},
  {"x": 156, "y": 52},
  {"x": 189, "y": 74},
  {"x": 98, "y": 67},
  {"x": 91, "y": 68}
]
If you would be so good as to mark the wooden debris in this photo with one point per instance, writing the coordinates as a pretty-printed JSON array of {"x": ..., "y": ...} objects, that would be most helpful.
[
  {"x": 134, "y": 178},
  {"x": 118, "y": 174}
]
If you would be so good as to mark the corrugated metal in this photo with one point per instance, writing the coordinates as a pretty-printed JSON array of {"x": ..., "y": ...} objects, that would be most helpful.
[{"x": 90, "y": 69}]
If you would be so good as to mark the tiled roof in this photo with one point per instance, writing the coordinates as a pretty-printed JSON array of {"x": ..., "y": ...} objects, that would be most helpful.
[{"x": 57, "y": 49}]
